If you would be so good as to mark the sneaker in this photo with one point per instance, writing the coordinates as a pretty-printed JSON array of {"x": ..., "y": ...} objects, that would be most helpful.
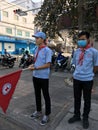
[
  {"x": 45, "y": 120},
  {"x": 85, "y": 123},
  {"x": 36, "y": 114},
  {"x": 74, "y": 119}
]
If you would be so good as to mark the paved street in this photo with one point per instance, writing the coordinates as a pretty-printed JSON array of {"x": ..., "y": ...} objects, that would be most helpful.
[
  {"x": 23, "y": 104},
  {"x": 7, "y": 124}
]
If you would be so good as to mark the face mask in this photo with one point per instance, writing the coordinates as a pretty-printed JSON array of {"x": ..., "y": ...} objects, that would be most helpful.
[{"x": 82, "y": 43}]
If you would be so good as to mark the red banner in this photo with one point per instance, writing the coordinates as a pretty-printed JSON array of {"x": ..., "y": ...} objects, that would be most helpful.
[{"x": 7, "y": 87}]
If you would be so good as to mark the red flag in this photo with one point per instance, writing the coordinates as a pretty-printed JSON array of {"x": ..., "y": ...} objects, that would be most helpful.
[{"x": 7, "y": 86}]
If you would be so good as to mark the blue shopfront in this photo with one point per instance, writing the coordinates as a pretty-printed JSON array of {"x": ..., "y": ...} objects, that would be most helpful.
[{"x": 14, "y": 45}]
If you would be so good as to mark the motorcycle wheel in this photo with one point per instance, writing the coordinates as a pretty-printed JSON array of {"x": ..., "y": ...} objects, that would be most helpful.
[{"x": 11, "y": 65}]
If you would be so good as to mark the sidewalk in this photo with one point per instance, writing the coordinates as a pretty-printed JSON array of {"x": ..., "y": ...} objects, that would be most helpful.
[
  {"x": 23, "y": 104},
  {"x": 93, "y": 120}
]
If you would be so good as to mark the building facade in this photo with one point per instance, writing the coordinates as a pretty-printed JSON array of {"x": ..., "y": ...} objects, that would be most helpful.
[
  {"x": 15, "y": 31},
  {"x": 29, "y": 6}
]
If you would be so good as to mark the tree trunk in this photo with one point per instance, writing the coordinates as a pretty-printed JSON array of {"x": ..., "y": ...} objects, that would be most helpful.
[{"x": 81, "y": 16}]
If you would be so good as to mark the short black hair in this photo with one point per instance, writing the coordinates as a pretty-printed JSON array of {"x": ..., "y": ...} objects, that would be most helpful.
[{"x": 87, "y": 34}]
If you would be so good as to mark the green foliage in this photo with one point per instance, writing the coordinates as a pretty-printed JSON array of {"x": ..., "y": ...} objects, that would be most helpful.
[{"x": 56, "y": 15}]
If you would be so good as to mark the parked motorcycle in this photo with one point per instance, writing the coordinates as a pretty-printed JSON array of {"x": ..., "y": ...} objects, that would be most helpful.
[
  {"x": 26, "y": 60},
  {"x": 54, "y": 57},
  {"x": 72, "y": 69},
  {"x": 7, "y": 61},
  {"x": 61, "y": 63}
]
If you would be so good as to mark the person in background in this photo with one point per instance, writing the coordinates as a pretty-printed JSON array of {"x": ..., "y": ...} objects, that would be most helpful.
[
  {"x": 6, "y": 54},
  {"x": 23, "y": 51},
  {"x": 86, "y": 64},
  {"x": 41, "y": 72}
]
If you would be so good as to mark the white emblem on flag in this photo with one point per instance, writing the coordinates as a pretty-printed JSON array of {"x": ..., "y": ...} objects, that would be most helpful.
[{"x": 6, "y": 88}]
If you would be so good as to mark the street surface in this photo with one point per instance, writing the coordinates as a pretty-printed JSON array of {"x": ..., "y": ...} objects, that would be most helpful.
[
  {"x": 6, "y": 124},
  {"x": 23, "y": 103}
]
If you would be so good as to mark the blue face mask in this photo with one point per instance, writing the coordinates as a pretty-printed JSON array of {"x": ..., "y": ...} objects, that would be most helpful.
[{"x": 82, "y": 43}]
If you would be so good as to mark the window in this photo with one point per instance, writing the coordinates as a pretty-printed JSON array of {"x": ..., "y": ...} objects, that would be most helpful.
[
  {"x": 19, "y": 32},
  {"x": 27, "y": 34},
  {"x": 9, "y": 46},
  {"x": 9, "y": 30},
  {"x": 16, "y": 17},
  {"x": 5, "y": 13},
  {"x": 0, "y": 46},
  {"x": 24, "y": 20}
]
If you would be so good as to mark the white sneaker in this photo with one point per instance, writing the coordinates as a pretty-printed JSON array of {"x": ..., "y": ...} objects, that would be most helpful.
[
  {"x": 36, "y": 114},
  {"x": 44, "y": 120}
]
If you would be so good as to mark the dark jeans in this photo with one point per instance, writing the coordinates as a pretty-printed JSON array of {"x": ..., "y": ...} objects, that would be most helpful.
[
  {"x": 42, "y": 84},
  {"x": 85, "y": 87}
]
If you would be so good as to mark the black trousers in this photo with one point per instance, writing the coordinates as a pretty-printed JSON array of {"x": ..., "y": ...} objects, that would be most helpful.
[
  {"x": 42, "y": 85},
  {"x": 84, "y": 87}
]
